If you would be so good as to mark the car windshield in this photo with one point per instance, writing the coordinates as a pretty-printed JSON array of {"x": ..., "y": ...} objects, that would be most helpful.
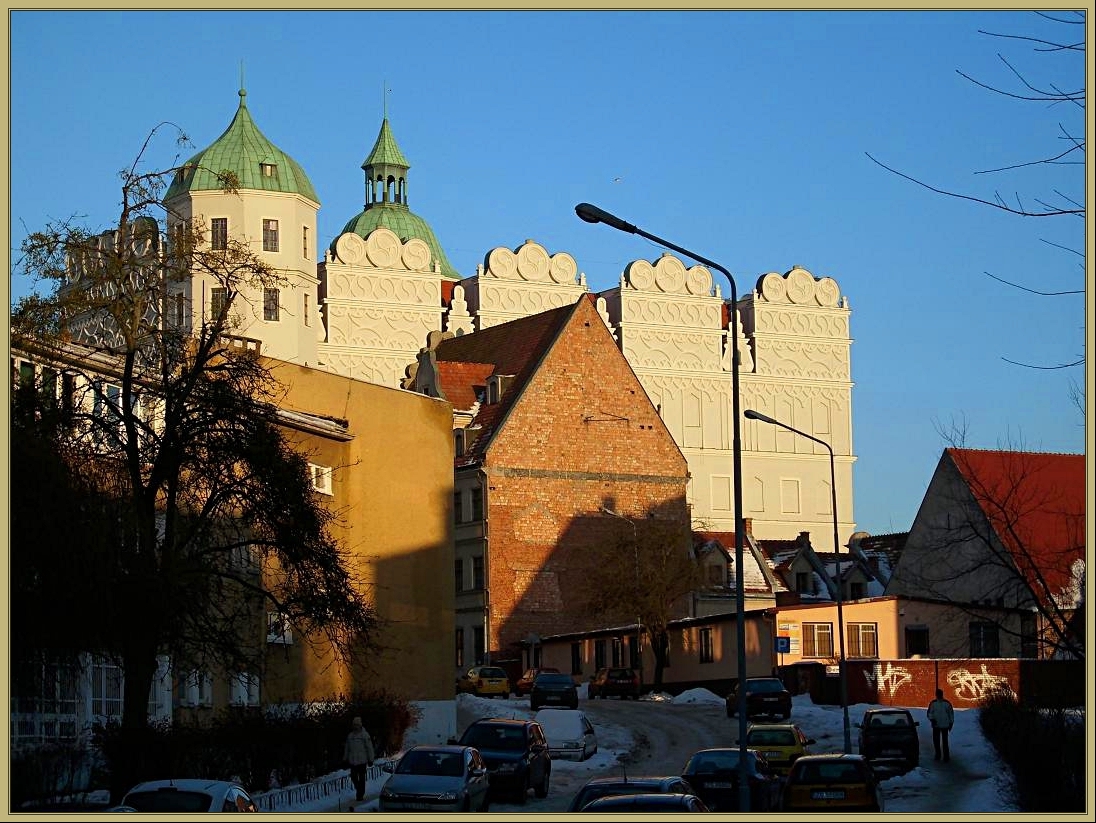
[
  {"x": 553, "y": 680},
  {"x": 771, "y": 737},
  {"x": 169, "y": 800},
  {"x": 620, "y": 673},
  {"x": 504, "y": 738},
  {"x": 492, "y": 673},
  {"x": 890, "y": 720},
  {"x": 822, "y": 772},
  {"x": 764, "y": 686},
  {"x": 441, "y": 764},
  {"x": 592, "y": 793},
  {"x": 715, "y": 761}
]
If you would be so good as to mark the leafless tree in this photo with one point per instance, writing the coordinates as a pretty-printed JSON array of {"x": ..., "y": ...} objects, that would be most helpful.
[
  {"x": 645, "y": 573},
  {"x": 1063, "y": 196},
  {"x": 198, "y": 516},
  {"x": 1002, "y": 530}
]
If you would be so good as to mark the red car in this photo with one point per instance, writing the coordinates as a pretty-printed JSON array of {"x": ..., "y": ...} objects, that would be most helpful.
[{"x": 615, "y": 681}]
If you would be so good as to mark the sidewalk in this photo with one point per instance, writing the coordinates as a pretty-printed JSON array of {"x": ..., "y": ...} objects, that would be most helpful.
[
  {"x": 333, "y": 793},
  {"x": 346, "y": 802}
]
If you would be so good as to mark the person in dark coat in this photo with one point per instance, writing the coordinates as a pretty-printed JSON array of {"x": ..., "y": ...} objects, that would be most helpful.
[{"x": 942, "y": 717}]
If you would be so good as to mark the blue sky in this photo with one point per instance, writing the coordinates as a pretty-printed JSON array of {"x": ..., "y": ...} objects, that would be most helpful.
[{"x": 740, "y": 135}]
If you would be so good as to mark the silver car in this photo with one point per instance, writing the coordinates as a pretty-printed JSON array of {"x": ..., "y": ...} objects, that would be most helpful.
[
  {"x": 436, "y": 778},
  {"x": 187, "y": 795}
]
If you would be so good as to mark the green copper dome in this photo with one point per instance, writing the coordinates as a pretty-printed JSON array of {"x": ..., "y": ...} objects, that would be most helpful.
[
  {"x": 386, "y": 201},
  {"x": 245, "y": 151}
]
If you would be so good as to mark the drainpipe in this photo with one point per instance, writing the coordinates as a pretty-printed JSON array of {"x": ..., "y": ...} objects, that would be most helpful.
[{"x": 486, "y": 571}]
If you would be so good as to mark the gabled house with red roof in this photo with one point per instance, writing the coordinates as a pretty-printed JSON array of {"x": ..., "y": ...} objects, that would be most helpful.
[
  {"x": 551, "y": 426},
  {"x": 1003, "y": 529}
]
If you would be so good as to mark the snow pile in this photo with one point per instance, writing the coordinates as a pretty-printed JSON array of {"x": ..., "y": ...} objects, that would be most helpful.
[{"x": 698, "y": 696}]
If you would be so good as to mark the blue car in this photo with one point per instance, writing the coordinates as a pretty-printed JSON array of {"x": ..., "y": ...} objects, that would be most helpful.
[{"x": 516, "y": 754}]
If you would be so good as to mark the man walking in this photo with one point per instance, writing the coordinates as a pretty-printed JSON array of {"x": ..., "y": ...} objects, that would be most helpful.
[
  {"x": 942, "y": 717},
  {"x": 358, "y": 754}
]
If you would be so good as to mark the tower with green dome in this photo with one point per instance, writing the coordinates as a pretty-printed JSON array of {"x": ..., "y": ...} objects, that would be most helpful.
[
  {"x": 272, "y": 207},
  {"x": 386, "y": 202}
]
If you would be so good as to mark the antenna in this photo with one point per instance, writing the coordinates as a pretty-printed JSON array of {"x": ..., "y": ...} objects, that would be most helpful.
[{"x": 241, "y": 74}]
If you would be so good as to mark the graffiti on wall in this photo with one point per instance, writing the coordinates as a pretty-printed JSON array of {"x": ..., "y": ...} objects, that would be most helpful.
[
  {"x": 971, "y": 686},
  {"x": 890, "y": 679}
]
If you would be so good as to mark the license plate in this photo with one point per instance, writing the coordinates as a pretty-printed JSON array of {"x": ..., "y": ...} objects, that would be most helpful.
[
  {"x": 892, "y": 752},
  {"x": 552, "y": 698},
  {"x": 827, "y": 795},
  {"x": 417, "y": 806},
  {"x": 773, "y": 755},
  {"x": 770, "y": 699},
  {"x": 720, "y": 784}
]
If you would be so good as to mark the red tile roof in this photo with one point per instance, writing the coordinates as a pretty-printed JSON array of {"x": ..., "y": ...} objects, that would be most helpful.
[
  {"x": 462, "y": 383},
  {"x": 515, "y": 348},
  {"x": 1036, "y": 505}
]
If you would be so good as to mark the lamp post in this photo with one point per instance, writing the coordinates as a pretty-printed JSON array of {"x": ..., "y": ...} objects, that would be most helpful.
[
  {"x": 592, "y": 214},
  {"x": 639, "y": 625},
  {"x": 750, "y": 414}
]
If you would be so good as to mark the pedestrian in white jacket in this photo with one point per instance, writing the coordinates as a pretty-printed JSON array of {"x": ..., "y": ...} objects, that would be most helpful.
[
  {"x": 942, "y": 717},
  {"x": 358, "y": 754}
]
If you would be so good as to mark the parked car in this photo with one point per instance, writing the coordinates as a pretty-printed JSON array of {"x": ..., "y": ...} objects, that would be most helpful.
[
  {"x": 569, "y": 733},
  {"x": 524, "y": 684},
  {"x": 605, "y": 786},
  {"x": 626, "y": 803},
  {"x": 621, "y": 682},
  {"x": 484, "y": 681},
  {"x": 889, "y": 735},
  {"x": 714, "y": 775},
  {"x": 832, "y": 783},
  {"x": 187, "y": 795},
  {"x": 516, "y": 754},
  {"x": 764, "y": 696},
  {"x": 553, "y": 689},
  {"x": 437, "y": 779},
  {"x": 781, "y": 743}
]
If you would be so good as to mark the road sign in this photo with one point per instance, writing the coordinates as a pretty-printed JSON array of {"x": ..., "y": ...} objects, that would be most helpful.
[{"x": 783, "y": 644}]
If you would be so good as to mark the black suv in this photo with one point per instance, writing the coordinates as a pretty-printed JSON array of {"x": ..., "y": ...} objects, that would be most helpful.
[
  {"x": 764, "y": 696},
  {"x": 516, "y": 754},
  {"x": 890, "y": 735},
  {"x": 619, "y": 681}
]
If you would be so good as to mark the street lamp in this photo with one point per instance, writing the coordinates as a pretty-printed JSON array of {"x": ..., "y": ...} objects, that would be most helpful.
[
  {"x": 750, "y": 414},
  {"x": 635, "y": 548},
  {"x": 592, "y": 214}
]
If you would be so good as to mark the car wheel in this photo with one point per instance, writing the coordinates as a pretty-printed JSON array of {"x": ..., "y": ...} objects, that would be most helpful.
[{"x": 542, "y": 789}]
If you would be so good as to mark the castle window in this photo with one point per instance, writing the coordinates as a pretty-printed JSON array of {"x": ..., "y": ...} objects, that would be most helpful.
[
  {"x": 219, "y": 232},
  {"x": 270, "y": 304},
  {"x": 321, "y": 478},
  {"x": 217, "y": 302},
  {"x": 268, "y": 169},
  {"x": 304, "y": 242},
  {"x": 270, "y": 235}
]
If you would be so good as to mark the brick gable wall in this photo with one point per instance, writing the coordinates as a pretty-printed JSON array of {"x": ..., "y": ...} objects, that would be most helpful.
[{"x": 582, "y": 435}]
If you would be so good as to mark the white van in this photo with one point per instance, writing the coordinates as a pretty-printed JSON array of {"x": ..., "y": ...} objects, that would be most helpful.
[{"x": 570, "y": 734}]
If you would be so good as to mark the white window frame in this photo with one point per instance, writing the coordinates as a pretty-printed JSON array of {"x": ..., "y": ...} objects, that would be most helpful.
[
  {"x": 321, "y": 478},
  {"x": 271, "y": 237},
  {"x": 278, "y": 629},
  {"x": 814, "y": 631},
  {"x": 857, "y": 633},
  {"x": 197, "y": 689},
  {"x": 244, "y": 689}
]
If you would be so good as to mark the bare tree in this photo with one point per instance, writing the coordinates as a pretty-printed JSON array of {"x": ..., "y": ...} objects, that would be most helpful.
[
  {"x": 645, "y": 573},
  {"x": 1063, "y": 195},
  {"x": 201, "y": 517}
]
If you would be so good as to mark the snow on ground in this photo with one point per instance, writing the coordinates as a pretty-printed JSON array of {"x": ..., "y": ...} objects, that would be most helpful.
[{"x": 975, "y": 778}]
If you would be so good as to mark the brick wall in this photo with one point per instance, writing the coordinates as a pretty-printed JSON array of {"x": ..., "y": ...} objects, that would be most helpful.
[
  {"x": 583, "y": 435},
  {"x": 965, "y": 682}
]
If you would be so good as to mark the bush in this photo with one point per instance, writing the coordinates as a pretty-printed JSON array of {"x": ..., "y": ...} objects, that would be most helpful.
[
  {"x": 289, "y": 743},
  {"x": 1045, "y": 748}
]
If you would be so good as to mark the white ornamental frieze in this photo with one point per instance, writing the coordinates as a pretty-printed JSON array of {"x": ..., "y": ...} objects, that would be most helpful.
[
  {"x": 522, "y": 301},
  {"x": 675, "y": 313},
  {"x": 673, "y": 350},
  {"x": 378, "y": 328},
  {"x": 793, "y": 322},
  {"x": 812, "y": 360},
  {"x": 669, "y": 276},
  {"x": 531, "y": 262},
  {"x": 383, "y": 249},
  {"x": 343, "y": 285},
  {"x": 800, "y": 287}
]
